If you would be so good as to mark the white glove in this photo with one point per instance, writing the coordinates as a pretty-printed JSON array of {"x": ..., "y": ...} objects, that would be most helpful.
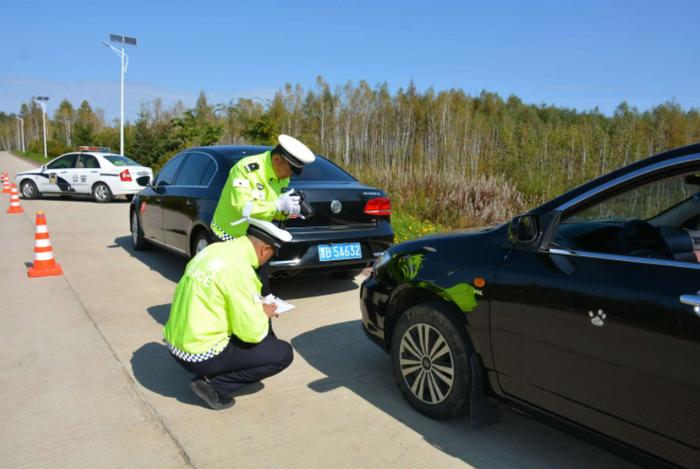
[{"x": 289, "y": 203}]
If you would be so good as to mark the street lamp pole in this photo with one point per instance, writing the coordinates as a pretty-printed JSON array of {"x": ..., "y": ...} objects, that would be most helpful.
[
  {"x": 20, "y": 121},
  {"x": 121, "y": 39},
  {"x": 41, "y": 101}
]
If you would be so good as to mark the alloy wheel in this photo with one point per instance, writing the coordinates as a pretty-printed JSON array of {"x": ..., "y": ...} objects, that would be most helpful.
[
  {"x": 135, "y": 229},
  {"x": 27, "y": 190},
  {"x": 426, "y": 362},
  {"x": 101, "y": 192},
  {"x": 201, "y": 244}
]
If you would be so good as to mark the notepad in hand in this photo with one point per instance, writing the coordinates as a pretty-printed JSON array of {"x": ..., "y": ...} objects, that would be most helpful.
[{"x": 282, "y": 306}]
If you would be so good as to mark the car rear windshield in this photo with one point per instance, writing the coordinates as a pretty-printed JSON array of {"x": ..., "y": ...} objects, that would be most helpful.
[
  {"x": 322, "y": 170},
  {"x": 118, "y": 160}
]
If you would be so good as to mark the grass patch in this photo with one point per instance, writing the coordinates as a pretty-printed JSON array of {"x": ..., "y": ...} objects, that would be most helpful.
[
  {"x": 35, "y": 157},
  {"x": 408, "y": 227}
]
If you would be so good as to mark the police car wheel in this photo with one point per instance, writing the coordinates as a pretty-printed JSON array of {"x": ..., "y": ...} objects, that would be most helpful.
[
  {"x": 29, "y": 190},
  {"x": 430, "y": 359},
  {"x": 101, "y": 193},
  {"x": 138, "y": 241}
]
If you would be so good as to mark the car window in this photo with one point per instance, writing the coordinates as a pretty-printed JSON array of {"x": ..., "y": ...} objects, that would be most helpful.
[
  {"x": 166, "y": 176},
  {"x": 87, "y": 162},
  {"x": 64, "y": 162},
  {"x": 322, "y": 170},
  {"x": 652, "y": 220},
  {"x": 197, "y": 170},
  {"x": 119, "y": 160}
]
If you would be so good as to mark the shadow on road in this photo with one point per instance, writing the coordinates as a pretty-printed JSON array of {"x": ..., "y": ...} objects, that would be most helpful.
[
  {"x": 172, "y": 266},
  {"x": 347, "y": 358},
  {"x": 306, "y": 286},
  {"x": 169, "y": 265},
  {"x": 156, "y": 370},
  {"x": 160, "y": 313}
]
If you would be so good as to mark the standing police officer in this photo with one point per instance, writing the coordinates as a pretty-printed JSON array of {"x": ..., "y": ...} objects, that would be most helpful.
[
  {"x": 219, "y": 327},
  {"x": 254, "y": 188}
]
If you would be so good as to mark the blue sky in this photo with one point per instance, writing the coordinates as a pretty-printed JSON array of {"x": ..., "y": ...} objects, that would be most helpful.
[{"x": 573, "y": 54}]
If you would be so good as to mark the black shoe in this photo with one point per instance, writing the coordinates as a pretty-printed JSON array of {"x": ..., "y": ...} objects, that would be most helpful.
[{"x": 206, "y": 391}]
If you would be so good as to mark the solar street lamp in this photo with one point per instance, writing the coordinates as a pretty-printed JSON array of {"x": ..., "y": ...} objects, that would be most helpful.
[
  {"x": 41, "y": 101},
  {"x": 122, "y": 40}
]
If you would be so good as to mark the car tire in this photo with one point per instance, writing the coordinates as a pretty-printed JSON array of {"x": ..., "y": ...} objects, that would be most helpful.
[
  {"x": 138, "y": 240},
  {"x": 346, "y": 274},
  {"x": 28, "y": 190},
  {"x": 101, "y": 193},
  {"x": 428, "y": 345},
  {"x": 201, "y": 240}
]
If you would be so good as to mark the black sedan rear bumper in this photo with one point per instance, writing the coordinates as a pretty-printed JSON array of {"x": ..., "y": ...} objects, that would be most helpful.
[{"x": 301, "y": 254}]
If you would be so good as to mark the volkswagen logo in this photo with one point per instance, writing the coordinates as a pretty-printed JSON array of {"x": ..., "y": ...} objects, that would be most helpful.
[{"x": 336, "y": 206}]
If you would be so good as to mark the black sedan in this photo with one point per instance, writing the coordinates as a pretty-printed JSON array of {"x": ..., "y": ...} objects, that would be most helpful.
[
  {"x": 585, "y": 310},
  {"x": 349, "y": 228}
]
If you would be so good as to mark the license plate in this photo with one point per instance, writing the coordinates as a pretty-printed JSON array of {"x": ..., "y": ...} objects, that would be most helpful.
[{"x": 339, "y": 252}]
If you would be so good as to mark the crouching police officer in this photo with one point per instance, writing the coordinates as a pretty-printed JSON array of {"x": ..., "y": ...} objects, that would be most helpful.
[
  {"x": 219, "y": 328},
  {"x": 254, "y": 188}
]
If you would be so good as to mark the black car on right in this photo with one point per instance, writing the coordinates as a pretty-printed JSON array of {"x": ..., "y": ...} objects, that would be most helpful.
[{"x": 585, "y": 311}]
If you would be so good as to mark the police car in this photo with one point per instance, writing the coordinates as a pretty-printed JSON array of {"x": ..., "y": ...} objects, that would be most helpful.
[{"x": 90, "y": 171}]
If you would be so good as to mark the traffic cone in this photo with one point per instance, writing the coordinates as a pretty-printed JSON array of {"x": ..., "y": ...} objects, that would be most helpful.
[
  {"x": 44, "y": 263},
  {"x": 14, "y": 201},
  {"x": 6, "y": 185}
]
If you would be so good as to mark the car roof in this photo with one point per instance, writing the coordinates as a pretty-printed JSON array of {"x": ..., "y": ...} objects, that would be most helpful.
[
  {"x": 232, "y": 150},
  {"x": 660, "y": 158}
]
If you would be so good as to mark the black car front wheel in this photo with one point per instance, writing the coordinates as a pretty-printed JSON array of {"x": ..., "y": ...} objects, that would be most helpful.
[{"x": 430, "y": 359}]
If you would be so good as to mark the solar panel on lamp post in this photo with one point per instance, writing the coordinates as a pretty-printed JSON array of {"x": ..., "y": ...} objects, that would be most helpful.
[
  {"x": 41, "y": 101},
  {"x": 121, "y": 39}
]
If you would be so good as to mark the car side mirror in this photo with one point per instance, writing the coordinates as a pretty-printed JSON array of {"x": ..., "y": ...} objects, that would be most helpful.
[
  {"x": 524, "y": 229},
  {"x": 43, "y": 168}
]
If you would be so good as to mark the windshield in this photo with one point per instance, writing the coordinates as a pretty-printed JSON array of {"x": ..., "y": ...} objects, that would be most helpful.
[
  {"x": 322, "y": 170},
  {"x": 119, "y": 160}
]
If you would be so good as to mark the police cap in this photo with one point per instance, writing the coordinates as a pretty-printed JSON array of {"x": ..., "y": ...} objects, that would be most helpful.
[
  {"x": 268, "y": 233},
  {"x": 296, "y": 153}
]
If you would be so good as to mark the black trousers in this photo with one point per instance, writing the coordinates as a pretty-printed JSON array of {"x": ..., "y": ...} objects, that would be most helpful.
[{"x": 241, "y": 363}]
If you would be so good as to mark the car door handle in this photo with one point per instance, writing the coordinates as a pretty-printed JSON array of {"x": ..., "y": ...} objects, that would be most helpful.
[
  {"x": 93, "y": 172},
  {"x": 63, "y": 172},
  {"x": 692, "y": 300}
]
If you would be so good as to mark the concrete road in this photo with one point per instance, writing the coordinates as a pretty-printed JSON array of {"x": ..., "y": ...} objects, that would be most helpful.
[{"x": 87, "y": 381}]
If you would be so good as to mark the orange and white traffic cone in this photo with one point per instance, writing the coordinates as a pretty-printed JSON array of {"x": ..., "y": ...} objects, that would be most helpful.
[
  {"x": 14, "y": 201},
  {"x": 44, "y": 262},
  {"x": 6, "y": 185}
]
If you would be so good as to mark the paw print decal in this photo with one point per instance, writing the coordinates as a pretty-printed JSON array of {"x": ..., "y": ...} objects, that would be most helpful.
[{"x": 597, "y": 319}]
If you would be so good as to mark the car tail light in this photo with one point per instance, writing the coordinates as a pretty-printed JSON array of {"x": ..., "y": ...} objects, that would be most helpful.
[
  {"x": 380, "y": 206},
  {"x": 125, "y": 176}
]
